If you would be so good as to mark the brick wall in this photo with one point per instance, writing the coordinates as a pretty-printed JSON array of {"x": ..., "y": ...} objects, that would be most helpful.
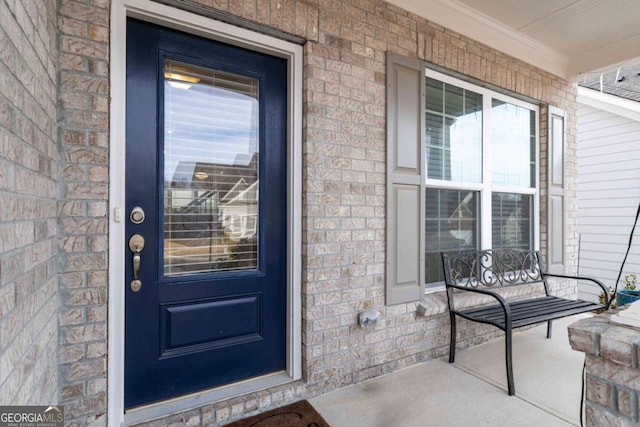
[
  {"x": 84, "y": 153},
  {"x": 344, "y": 181},
  {"x": 343, "y": 202},
  {"x": 344, "y": 162},
  {"x": 28, "y": 191}
]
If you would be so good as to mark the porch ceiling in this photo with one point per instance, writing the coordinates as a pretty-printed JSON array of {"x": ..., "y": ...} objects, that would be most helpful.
[{"x": 564, "y": 37}]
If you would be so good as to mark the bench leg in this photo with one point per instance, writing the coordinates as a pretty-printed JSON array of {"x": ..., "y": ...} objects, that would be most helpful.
[
  {"x": 452, "y": 341},
  {"x": 509, "y": 357},
  {"x": 549, "y": 329}
]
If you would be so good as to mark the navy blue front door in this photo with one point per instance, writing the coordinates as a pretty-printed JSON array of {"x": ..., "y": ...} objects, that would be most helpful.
[{"x": 206, "y": 214}]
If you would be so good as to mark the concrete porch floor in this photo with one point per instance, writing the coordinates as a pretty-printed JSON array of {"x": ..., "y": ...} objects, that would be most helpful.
[{"x": 471, "y": 392}]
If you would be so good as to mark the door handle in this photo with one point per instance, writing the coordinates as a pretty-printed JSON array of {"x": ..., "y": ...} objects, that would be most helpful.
[
  {"x": 136, "y": 265},
  {"x": 136, "y": 245}
]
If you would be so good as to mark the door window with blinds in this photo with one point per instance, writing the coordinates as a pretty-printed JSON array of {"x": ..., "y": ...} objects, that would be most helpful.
[
  {"x": 211, "y": 183},
  {"x": 481, "y": 161}
]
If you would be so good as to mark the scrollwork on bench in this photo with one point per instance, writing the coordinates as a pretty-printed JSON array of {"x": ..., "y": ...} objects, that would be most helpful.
[{"x": 494, "y": 268}]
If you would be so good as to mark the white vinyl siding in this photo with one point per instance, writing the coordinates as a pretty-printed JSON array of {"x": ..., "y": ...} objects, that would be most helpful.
[{"x": 608, "y": 194}]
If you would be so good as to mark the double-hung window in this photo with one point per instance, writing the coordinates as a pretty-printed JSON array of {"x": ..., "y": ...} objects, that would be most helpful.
[
  {"x": 481, "y": 171},
  {"x": 463, "y": 172}
]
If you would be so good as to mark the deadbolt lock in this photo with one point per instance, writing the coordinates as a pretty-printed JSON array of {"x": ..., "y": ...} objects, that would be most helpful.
[{"x": 137, "y": 215}]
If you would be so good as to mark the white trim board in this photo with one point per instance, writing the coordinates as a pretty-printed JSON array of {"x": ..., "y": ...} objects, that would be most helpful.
[
  {"x": 610, "y": 103},
  {"x": 198, "y": 25}
]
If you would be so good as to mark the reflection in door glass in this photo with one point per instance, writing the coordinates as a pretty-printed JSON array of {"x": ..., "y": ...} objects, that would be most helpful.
[{"x": 210, "y": 170}]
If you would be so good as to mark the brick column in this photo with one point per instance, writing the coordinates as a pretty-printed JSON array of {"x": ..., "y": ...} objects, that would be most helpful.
[
  {"x": 83, "y": 102},
  {"x": 612, "y": 374}
]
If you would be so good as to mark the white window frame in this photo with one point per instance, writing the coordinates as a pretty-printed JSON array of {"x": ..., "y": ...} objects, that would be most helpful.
[{"x": 486, "y": 188}]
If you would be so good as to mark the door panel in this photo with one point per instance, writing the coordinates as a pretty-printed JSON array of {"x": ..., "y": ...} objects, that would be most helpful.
[
  {"x": 206, "y": 162},
  {"x": 238, "y": 319}
]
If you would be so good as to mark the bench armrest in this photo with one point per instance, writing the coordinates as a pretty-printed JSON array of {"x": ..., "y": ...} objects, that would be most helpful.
[
  {"x": 596, "y": 281},
  {"x": 495, "y": 295}
]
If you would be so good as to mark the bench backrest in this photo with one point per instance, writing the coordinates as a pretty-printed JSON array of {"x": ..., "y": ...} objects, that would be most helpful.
[{"x": 493, "y": 268}]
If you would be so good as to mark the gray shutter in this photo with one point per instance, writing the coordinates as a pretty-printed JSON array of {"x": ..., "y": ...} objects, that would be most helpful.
[
  {"x": 556, "y": 256},
  {"x": 405, "y": 179}
]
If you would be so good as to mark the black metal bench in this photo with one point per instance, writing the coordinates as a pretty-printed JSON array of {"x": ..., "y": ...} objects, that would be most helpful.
[{"x": 485, "y": 271}]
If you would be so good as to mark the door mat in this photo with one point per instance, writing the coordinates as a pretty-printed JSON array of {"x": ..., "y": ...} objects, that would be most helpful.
[{"x": 299, "y": 414}]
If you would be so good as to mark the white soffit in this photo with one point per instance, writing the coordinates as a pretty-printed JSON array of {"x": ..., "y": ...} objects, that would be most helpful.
[{"x": 564, "y": 37}]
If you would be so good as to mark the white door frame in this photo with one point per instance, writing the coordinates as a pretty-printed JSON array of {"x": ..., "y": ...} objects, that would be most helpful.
[{"x": 202, "y": 26}]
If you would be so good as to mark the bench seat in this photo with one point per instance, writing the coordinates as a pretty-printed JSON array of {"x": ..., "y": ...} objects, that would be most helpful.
[{"x": 529, "y": 312}]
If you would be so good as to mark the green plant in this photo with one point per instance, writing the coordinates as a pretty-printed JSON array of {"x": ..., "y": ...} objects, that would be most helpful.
[
  {"x": 602, "y": 299},
  {"x": 630, "y": 282}
]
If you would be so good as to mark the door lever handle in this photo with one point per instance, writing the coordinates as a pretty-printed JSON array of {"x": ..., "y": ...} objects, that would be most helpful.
[
  {"x": 136, "y": 265},
  {"x": 136, "y": 245}
]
